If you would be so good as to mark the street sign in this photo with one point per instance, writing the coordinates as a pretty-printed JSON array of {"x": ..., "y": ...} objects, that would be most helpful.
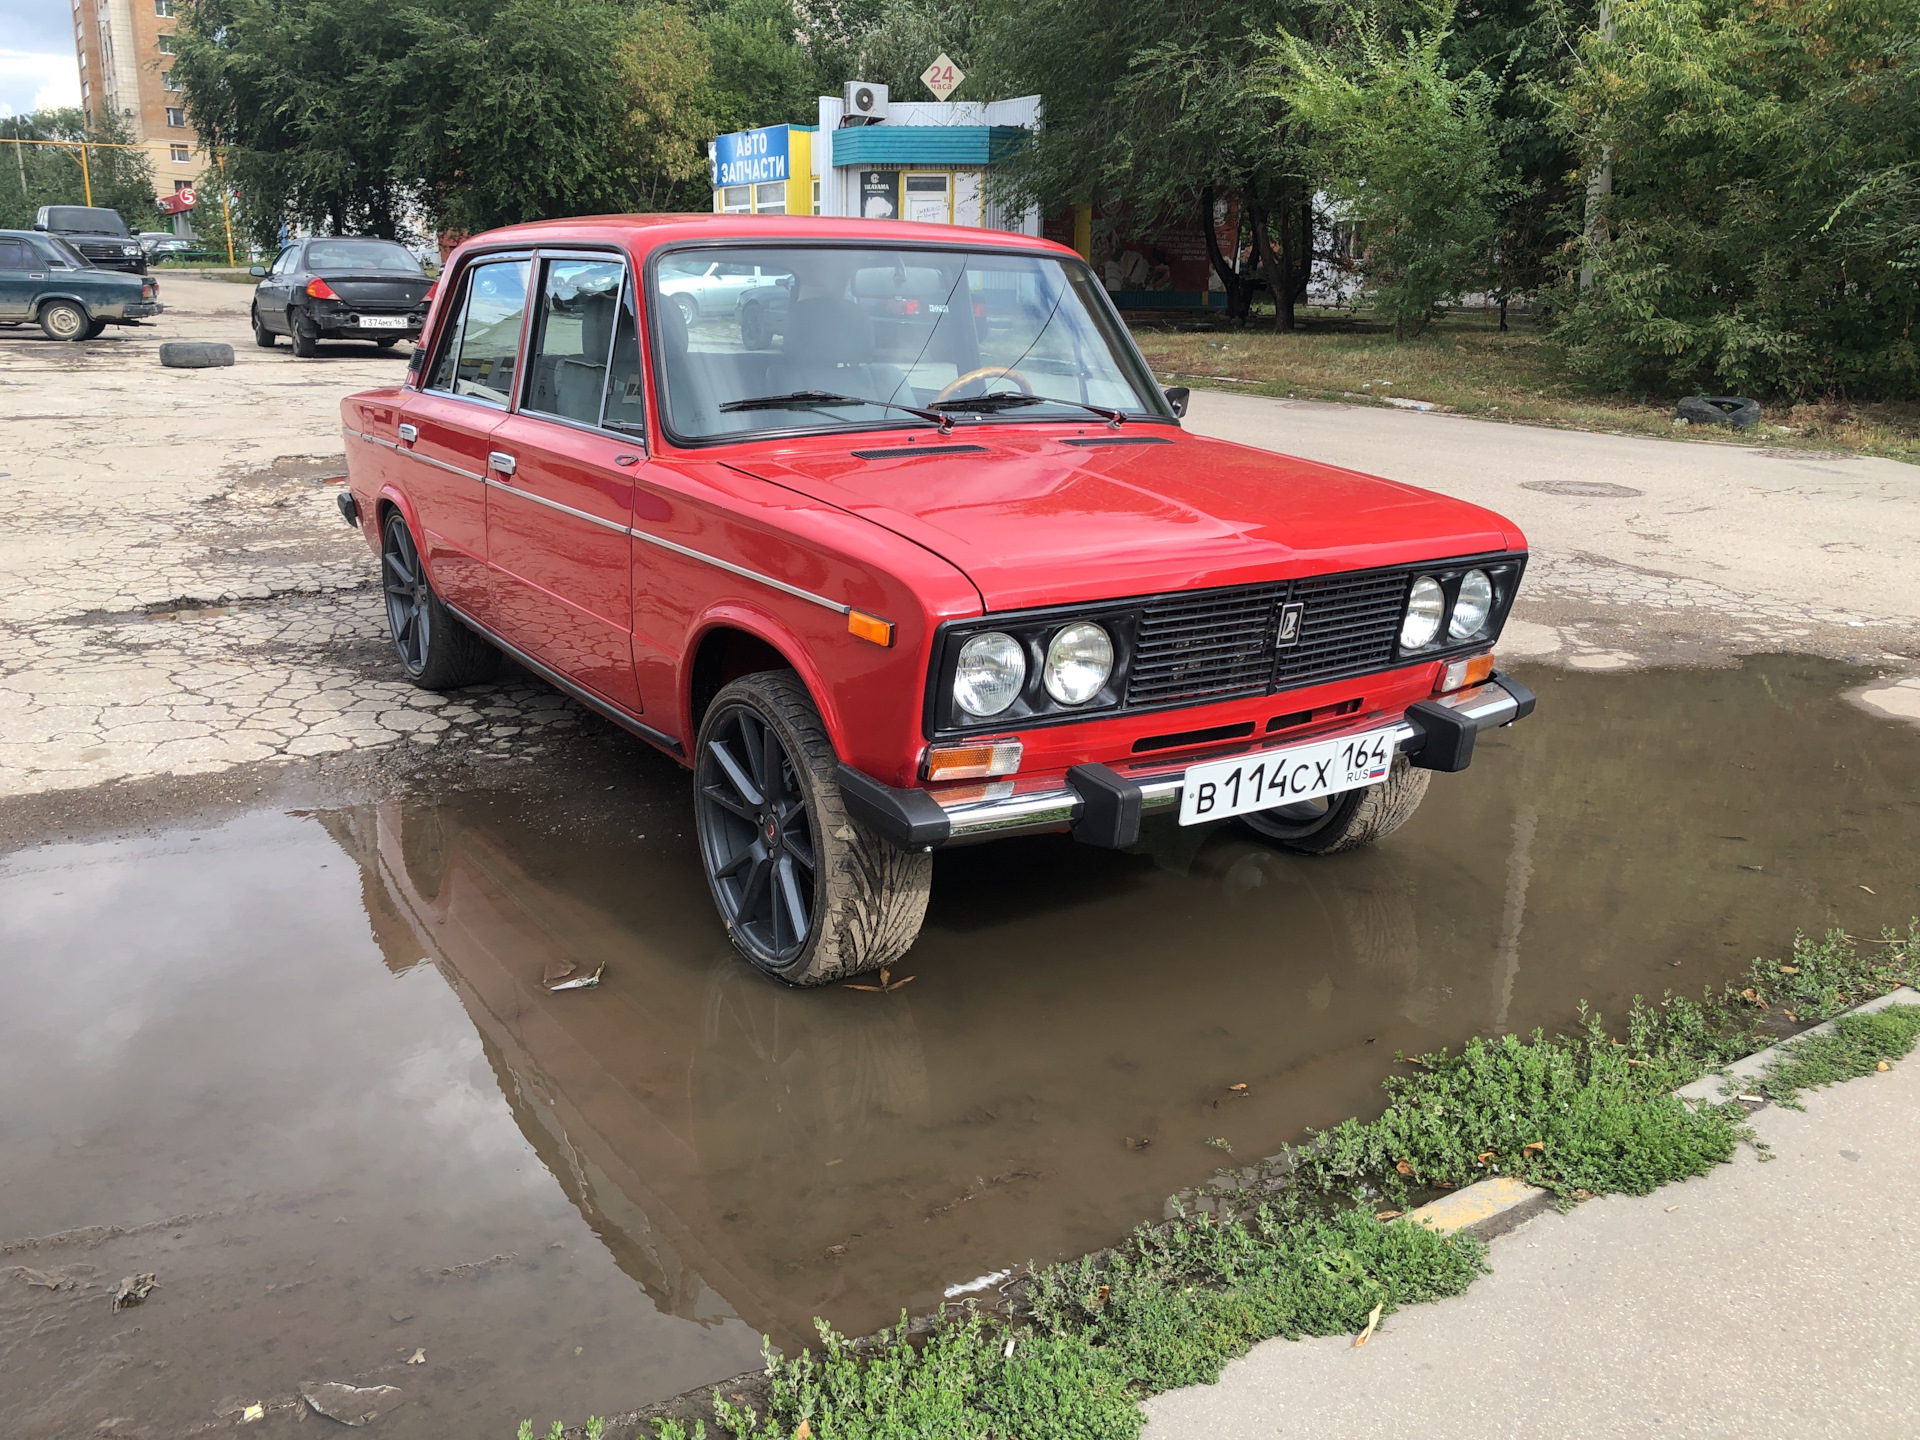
[
  {"x": 179, "y": 202},
  {"x": 943, "y": 77}
]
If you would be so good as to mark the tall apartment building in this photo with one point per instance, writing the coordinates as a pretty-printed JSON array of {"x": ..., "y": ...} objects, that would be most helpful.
[{"x": 124, "y": 48}]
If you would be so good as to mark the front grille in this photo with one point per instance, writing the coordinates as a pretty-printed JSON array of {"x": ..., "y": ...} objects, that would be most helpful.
[{"x": 1214, "y": 644}]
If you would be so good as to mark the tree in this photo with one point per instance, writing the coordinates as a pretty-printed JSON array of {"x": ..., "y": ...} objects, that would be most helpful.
[
  {"x": 1762, "y": 227},
  {"x": 36, "y": 175},
  {"x": 1408, "y": 151},
  {"x": 664, "y": 79},
  {"x": 1150, "y": 108}
]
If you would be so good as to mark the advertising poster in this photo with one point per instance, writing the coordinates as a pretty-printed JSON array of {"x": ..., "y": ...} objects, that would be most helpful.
[{"x": 880, "y": 194}]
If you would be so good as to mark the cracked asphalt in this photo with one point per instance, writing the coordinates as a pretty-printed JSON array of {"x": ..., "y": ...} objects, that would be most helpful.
[
  {"x": 178, "y": 593},
  {"x": 179, "y": 597}
]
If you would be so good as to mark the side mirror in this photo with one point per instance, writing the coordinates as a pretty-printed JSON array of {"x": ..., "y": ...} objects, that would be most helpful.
[
  {"x": 40, "y": 227},
  {"x": 1177, "y": 398},
  {"x": 259, "y": 270}
]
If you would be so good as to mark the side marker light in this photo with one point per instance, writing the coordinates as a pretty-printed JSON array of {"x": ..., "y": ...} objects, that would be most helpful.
[{"x": 870, "y": 627}]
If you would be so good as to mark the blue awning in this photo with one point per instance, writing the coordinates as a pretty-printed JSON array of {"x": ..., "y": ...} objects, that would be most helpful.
[{"x": 856, "y": 145}]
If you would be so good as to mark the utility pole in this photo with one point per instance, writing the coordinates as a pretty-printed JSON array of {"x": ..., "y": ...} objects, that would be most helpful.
[{"x": 226, "y": 211}]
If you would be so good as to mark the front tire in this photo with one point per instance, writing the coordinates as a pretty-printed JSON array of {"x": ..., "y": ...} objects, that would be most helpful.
[
  {"x": 387, "y": 342},
  {"x": 64, "y": 320},
  {"x": 807, "y": 894},
  {"x": 435, "y": 649},
  {"x": 1347, "y": 821},
  {"x": 262, "y": 336}
]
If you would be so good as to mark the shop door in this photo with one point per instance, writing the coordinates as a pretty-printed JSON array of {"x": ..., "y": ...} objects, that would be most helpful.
[{"x": 929, "y": 199}]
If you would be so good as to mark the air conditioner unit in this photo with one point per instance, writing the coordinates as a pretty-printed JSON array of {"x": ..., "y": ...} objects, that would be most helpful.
[{"x": 864, "y": 103}]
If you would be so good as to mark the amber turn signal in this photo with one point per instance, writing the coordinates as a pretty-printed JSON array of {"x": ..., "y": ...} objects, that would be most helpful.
[
  {"x": 980, "y": 760},
  {"x": 870, "y": 627},
  {"x": 1459, "y": 674}
]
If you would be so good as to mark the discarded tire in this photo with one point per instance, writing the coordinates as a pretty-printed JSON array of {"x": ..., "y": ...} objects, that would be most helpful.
[
  {"x": 195, "y": 354},
  {"x": 1734, "y": 410}
]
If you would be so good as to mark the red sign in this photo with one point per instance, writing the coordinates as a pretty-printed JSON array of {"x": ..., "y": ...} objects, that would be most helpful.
[{"x": 179, "y": 202}]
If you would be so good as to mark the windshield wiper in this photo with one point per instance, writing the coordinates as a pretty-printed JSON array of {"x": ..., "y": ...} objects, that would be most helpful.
[
  {"x": 821, "y": 399},
  {"x": 1008, "y": 400}
]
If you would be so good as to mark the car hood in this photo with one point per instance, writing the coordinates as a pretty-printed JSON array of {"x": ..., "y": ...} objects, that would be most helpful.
[{"x": 1035, "y": 519}]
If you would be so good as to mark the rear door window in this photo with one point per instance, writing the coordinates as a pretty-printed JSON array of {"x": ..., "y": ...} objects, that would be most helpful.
[
  {"x": 480, "y": 355},
  {"x": 573, "y": 337},
  {"x": 15, "y": 255}
]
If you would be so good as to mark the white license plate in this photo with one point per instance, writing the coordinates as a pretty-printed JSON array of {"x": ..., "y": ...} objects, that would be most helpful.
[
  {"x": 383, "y": 322},
  {"x": 1281, "y": 777}
]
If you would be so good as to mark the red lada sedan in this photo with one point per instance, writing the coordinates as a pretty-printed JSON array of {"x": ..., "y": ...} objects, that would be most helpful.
[{"x": 920, "y": 557}]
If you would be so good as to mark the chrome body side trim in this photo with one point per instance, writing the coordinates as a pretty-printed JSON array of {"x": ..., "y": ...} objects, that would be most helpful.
[
  {"x": 744, "y": 573},
  {"x": 514, "y": 490}
]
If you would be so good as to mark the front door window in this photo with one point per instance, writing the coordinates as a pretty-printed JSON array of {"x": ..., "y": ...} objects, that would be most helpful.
[{"x": 480, "y": 356}]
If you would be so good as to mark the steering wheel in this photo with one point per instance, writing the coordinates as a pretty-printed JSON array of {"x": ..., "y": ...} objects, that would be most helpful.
[{"x": 986, "y": 373}]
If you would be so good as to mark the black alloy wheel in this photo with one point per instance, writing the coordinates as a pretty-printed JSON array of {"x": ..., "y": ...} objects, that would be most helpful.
[
  {"x": 409, "y": 597},
  {"x": 436, "y": 650},
  {"x": 757, "y": 837},
  {"x": 1299, "y": 821}
]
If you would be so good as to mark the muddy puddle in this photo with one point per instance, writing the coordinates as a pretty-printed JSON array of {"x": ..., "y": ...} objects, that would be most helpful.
[{"x": 302, "y": 1067}]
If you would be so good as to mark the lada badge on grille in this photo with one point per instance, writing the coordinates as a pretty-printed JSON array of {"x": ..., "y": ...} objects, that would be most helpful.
[{"x": 1289, "y": 629}]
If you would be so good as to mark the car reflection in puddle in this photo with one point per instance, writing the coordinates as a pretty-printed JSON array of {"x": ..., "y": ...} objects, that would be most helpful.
[{"x": 1077, "y": 1019}]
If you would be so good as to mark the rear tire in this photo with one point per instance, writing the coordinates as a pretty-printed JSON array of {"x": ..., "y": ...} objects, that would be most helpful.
[
  {"x": 64, "y": 320},
  {"x": 435, "y": 649},
  {"x": 807, "y": 894},
  {"x": 387, "y": 342},
  {"x": 96, "y": 329},
  {"x": 306, "y": 339},
  {"x": 1346, "y": 821}
]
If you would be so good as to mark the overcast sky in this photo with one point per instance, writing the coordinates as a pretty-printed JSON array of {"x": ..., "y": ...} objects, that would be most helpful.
[{"x": 38, "y": 66}]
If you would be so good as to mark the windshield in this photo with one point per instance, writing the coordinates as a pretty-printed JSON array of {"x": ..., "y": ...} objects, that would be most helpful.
[
  {"x": 365, "y": 255},
  {"x": 80, "y": 218},
  {"x": 780, "y": 337}
]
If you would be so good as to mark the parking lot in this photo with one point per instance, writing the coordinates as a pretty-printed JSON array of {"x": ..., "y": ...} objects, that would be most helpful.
[{"x": 234, "y": 843}]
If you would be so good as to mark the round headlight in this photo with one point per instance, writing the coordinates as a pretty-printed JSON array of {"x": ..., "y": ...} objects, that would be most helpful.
[
  {"x": 1424, "y": 608},
  {"x": 991, "y": 671},
  {"x": 1472, "y": 605},
  {"x": 1078, "y": 663}
]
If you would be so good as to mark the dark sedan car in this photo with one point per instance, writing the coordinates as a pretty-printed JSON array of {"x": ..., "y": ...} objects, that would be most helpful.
[
  {"x": 340, "y": 288},
  {"x": 99, "y": 234},
  {"x": 45, "y": 281}
]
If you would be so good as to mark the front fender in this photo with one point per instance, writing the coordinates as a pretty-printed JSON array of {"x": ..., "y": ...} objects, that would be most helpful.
[{"x": 763, "y": 625}]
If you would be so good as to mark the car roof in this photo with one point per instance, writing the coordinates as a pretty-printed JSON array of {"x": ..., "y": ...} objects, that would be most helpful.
[{"x": 642, "y": 233}]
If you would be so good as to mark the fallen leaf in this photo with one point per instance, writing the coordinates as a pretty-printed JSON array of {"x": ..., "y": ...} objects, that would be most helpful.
[
  {"x": 1403, "y": 1167},
  {"x": 1538, "y": 1145},
  {"x": 55, "y": 1279},
  {"x": 1389, "y": 1215},
  {"x": 1791, "y": 1016},
  {"x": 1100, "y": 1295},
  {"x": 1583, "y": 1194},
  {"x": 883, "y": 977},
  {"x": 1750, "y": 995},
  {"x": 804, "y": 1432},
  {"x": 1486, "y": 1155},
  {"x": 579, "y": 982},
  {"x": 1373, "y": 1319},
  {"x": 903, "y": 980},
  {"x": 1789, "y": 969},
  {"x": 1883, "y": 1066},
  {"x": 874, "y": 988},
  {"x": 1870, "y": 890},
  {"x": 1238, "y": 1089},
  {"x": 133, "y": 1290},
  {"x": 1749, "y": 867},
  {"x": 836, "y": 1249},
  {"x": 419, "y": 1357},
  {"x": 252, "y": 1413}
]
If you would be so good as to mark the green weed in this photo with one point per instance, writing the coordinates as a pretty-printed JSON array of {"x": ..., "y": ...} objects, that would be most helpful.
[
  {"x": 1834, "y": 973},
  {"x": 1858, "y": 1046}
]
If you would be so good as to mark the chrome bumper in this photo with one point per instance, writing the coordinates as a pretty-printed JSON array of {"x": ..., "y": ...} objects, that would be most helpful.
[{"x": 1099, "y": 806}]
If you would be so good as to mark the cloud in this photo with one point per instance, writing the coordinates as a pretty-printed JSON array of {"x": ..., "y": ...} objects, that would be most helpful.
[{"x": 30, "y": 81}]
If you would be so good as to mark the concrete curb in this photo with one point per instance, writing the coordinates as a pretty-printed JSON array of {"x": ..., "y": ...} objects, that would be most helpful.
[
  {"x": 1702, "y": 1091},
  {"x": 1499, "y": 1203}
]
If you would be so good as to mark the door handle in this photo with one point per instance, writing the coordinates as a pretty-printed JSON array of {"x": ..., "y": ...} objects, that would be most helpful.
[
  {"x": 501, "y": 461},
  {"x": 409, "y": 434},
  {"x": 39, "y": 275}
]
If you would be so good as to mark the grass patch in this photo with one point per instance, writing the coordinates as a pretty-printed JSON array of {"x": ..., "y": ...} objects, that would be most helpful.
[
  {"x": 1466, "y": 364},
  {"x": 1291, "y": 1253},
  {"x": 1859, "y": 1045}
]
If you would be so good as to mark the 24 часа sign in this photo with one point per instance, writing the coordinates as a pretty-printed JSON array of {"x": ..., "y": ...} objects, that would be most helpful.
[{"x": 750, "y": 157}]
